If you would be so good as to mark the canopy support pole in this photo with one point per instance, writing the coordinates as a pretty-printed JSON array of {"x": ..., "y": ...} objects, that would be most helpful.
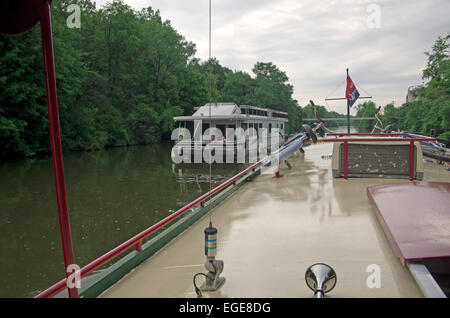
[{"x": 55, "y": 139}]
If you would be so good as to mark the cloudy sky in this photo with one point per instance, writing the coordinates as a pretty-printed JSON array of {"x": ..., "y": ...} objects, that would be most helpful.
[{"x": 382, "y": 42}]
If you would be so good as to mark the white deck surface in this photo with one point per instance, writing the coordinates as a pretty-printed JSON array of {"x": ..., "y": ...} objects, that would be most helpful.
[{"x": 271, "y": 230}]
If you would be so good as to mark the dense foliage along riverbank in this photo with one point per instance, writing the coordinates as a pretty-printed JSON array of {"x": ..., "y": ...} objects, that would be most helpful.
[
  {"x": 121, "y": 78},
  {"x": 430, "y": 108},
  {"x": 124, "y": 74}
]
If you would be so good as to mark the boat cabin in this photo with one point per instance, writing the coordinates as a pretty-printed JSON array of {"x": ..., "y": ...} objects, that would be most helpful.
[{"x": 230, "y": 115}]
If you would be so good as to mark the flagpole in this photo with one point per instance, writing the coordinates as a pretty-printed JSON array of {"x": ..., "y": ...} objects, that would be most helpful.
[
  {"x": 348, "y": 102},
  {"x": 348, "y": 111}
]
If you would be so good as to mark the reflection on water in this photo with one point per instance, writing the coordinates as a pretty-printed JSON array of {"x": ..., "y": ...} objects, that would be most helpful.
[{"x": 112, "y": 195}]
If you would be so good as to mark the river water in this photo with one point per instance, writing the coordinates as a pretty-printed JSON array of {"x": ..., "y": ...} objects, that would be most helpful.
[{"x": 112, "y": 194}]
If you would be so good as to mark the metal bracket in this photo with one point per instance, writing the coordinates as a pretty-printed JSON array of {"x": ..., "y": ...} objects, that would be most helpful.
[{"x": 213, "y": 280}]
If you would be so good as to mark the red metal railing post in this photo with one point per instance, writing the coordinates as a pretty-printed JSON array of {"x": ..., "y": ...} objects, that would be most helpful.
[
  {"x": 411, "y": 161},
  {"x": 139, "y": 246},
  {"x": 345, "y": 160},
  {"x": 55, "y": 138},
  {"x": 277, "y": 173}
]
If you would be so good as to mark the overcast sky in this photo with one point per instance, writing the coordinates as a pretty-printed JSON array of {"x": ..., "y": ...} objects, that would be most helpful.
[{"x": 382, "y": 42}]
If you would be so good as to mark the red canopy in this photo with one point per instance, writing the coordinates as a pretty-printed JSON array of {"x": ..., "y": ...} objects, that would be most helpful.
[{"x": 415, "y": 217}]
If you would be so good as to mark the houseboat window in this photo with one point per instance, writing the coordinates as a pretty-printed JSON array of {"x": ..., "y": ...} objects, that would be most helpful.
[
  {"x": 250, "y": 126},
  {"x": 221, "y": 128},
  {"x": 205, "y": 126},
  {"x": 279, "y": 115},
  {"x": 190, "y": 126}
]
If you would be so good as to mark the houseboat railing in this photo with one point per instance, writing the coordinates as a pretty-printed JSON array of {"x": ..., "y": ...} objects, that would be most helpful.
[
  {"x": 136, "y": 241},
  {"x": 409, "y": 135}
]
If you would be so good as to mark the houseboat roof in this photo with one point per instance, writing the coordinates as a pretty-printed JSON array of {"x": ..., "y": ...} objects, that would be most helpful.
[
  {"x": 231, "y": 111},
  {"x": 218, "y": 109}
]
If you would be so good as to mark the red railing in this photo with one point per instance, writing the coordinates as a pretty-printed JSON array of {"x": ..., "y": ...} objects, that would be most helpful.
[
  {"x": 384, "y": 135},
  {"x": 387, "y": 137},
  {"x": 137, "y": 239}
]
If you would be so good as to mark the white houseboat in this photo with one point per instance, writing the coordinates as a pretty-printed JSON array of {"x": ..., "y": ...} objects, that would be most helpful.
[{"x": 256, "y": 123}]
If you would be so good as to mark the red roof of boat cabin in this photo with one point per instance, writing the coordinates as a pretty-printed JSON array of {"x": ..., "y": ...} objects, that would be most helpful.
[{"x": 415, "y": 217}]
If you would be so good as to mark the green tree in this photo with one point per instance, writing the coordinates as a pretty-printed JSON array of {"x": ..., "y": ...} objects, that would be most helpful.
[
  {"x": 23, "y": 112},
  {"x": 239, "y": 88},
  {"x": 121, "y": 78},
  {"x": 431, "y": 110},
  {"x": 366, "y": 109}
]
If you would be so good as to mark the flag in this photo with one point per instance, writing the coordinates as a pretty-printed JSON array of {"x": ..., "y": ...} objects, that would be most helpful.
[{"x": 351, "y": 93}]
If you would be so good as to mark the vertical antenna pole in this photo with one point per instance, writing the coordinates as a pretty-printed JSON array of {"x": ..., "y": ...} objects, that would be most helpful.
[
  {"x": 210, "y": 122},
  {"x": 55, "y": 138}
]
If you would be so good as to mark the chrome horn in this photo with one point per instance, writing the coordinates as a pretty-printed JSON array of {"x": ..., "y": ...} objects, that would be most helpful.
[{"x": 321, "y": 279}]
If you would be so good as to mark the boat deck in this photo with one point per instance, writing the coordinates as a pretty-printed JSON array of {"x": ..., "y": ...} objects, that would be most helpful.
[{"x": 272, "y": 230}]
